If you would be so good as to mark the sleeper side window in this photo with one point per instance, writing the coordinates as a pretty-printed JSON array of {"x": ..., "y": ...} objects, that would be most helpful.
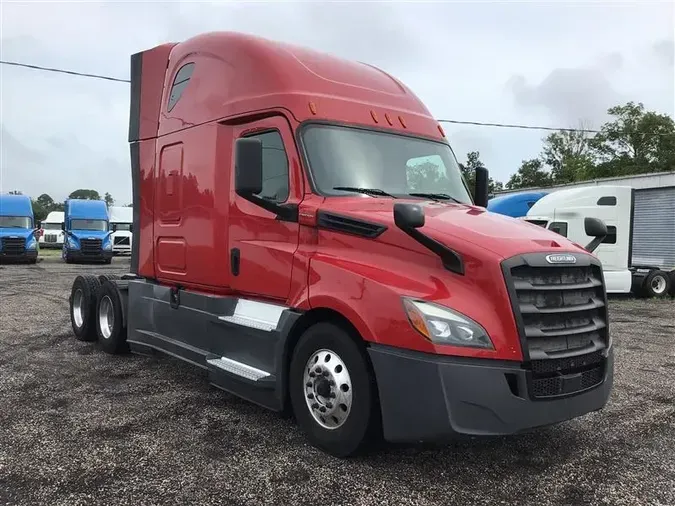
[
  {"x": 179, "y": 83},
  {"x": 559, "y": 227},
  {"x": 610, "y": 238},
  {"x": 275, "y": 167}
]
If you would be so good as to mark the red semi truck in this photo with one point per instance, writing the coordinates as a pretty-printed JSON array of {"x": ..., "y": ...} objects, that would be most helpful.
[{"x": 302, "y": 231}]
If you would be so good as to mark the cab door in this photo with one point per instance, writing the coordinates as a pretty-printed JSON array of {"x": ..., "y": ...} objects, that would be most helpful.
[{"x": 261, "y": 245}]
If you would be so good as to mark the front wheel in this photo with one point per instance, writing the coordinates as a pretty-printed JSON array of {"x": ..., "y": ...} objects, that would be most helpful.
[{"x": 332, "y": 390}]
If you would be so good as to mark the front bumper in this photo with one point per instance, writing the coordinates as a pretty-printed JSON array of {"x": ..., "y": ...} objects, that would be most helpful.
[
  {"x": 77, "y": 255},
  {"x": 432, "y": 398}
]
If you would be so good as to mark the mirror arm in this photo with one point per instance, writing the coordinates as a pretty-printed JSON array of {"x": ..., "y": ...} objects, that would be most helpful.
[
  {"x": 451, "y": 259},
  {"x": 284, "y": 212},
  {"x": 593, "y": 245}
]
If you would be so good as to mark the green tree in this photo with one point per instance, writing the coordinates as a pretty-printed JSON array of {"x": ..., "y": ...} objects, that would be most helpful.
[
  {"x": 531, "y": 174},
  {"x": 46, "y": 201},
  {"x": 108, "y": 199},
  {"x": 569, "y": 156},
  {"x": 85, "y": 195},
  {"x": 635, "y": 142}
]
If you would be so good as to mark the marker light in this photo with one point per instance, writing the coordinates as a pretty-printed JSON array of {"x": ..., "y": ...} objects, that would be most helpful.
[
  {"x": 442, "y": 325},
  {"x": 374, "y": 116}
]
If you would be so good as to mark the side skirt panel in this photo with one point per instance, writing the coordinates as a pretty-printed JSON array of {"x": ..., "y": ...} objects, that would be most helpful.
[{"x": 241, "y": 343}]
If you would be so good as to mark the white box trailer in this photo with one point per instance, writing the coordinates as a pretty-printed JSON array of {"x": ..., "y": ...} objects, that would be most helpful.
[
  {"x": 51, "y": 235},
  {"x": 121, "y": 219},
  {"x": 638, "y": 253}
]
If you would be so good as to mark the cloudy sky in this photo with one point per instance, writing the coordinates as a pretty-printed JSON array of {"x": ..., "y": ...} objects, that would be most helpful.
[{"x": 544, "y": 63}]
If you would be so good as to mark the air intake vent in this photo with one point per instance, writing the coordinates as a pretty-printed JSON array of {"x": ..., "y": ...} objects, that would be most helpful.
[{"x": 347, "y": 225}]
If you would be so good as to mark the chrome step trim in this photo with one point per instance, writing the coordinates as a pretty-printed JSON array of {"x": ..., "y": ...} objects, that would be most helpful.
[{"x": 234, "y": 367}]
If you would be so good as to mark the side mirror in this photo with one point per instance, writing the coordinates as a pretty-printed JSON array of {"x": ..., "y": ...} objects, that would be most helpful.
[
  {"x": 38, "y": 225},
  {"x": 131, "y": 228},
  {"x": 113, "y": 227},
  {"x": 597, "y": 229},
  {"x": 408, "y": 216},
  {"x": 248, "y": 166},
  {"x": 63, "y": 226},
  {"x": 481, "y": 189}
]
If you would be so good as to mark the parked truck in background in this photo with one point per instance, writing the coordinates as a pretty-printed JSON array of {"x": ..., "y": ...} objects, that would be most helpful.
[
  {"x": 564, "y": 212},
  {"x": 18, "y": 234},
  {"x": 302, "y": 232},
  {"x": 51, "y": 235},
  {"x": 515, "y": 205},
  {"x": 121, "y": 222},
  {"x": 87, "y": 237}
]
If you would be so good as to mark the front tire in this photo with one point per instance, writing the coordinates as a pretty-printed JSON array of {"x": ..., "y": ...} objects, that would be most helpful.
[
  {"x": 83, "y": 297},
  {"x": 112, "y": 334},
  {"x": 332, "y": 391}
]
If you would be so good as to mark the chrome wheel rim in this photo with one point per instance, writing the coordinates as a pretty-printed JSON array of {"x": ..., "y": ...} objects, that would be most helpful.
[
  {"x": 78, "y": 308},
  {"x": 106, "y": 317},
  {"x": 327, "y": 388},
  {"x": 658, "y": 285}
]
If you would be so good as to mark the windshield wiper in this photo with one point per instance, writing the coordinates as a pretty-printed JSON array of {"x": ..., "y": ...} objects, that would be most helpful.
[
  {"x": 435, "y": 196},
  {"x": 367, "y": 191}
]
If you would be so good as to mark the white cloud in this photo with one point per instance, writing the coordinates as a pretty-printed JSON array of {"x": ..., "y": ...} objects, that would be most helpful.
[{"x": 567, "y": 60}]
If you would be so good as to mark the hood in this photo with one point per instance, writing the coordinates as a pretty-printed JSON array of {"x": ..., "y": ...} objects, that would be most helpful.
[
  {"x": 458, "y": 224},
  {"x": 16, "y": 232}
]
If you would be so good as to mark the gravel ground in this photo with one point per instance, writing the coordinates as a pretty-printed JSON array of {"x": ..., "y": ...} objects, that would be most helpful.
[{"x": 78, "y": 426}]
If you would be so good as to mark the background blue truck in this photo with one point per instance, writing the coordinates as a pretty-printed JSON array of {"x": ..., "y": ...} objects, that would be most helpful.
[
  {"x": 515, "y": 205},
  {"x": 87, "y": 235},
  {"x": 18, "y": 239}
]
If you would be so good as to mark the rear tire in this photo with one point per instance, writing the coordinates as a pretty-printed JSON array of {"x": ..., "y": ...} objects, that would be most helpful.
[
  {"x": 336, "y": 409},
  {"x": 671, "y": 274},
  {"x": 83, "y": 297},
  {"x": 656, "y": 284},
  {"x": 112, "y": 334}
]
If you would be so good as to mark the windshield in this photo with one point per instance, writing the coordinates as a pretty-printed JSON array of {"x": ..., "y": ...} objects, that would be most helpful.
[
  {"x": 15, "y": 222},
  {"x": 51, "y": 226},
  {"x": 124, "y": 227},
  {"x": 395, "y": 164},
  {"x": 99, "y": 225}
]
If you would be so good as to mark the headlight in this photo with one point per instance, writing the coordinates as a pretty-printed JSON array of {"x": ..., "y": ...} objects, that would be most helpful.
[
  {"x": 442, "y": 325},
  {"x": 32, "y": 244},
  {"x": 107, "y": 246},
  {"x": 70, "y": 242}
]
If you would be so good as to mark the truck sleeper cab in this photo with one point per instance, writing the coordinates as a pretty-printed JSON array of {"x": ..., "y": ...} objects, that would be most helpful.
[
  {"x": 86, "y": 234},
  {"x": 18, "y": 235},
  {"x": 309, "y": 241},
  {"x": 564, "y": 212}
]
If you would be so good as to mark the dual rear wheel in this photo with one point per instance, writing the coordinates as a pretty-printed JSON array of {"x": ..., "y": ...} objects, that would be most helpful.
[{"x": 96, "y": 312}]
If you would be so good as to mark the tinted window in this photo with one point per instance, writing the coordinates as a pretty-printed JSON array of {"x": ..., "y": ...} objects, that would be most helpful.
[
  {"x": 399, "y": 165},
  {"x": 275, "y": 167},
  {"x": 559, "y": 227},
  {"x": 179, "y": 83},
  {"x": 610, "y": 238},
  {"x": 51, "y": 226},
  {"x": 99, "y": 225},
  {"x": 123, "y": 227},
  {"x": 607, "y": 201},
  {"x": 15, "y": 222},
  {"x": 539, "y": 223}
]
